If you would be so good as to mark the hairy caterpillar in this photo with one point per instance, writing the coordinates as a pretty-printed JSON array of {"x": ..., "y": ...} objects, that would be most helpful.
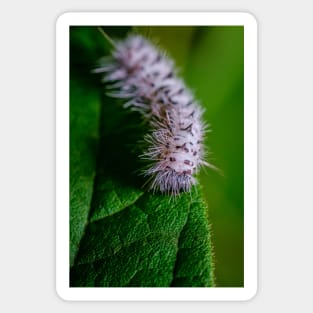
[{"x": 146, "y": 78}]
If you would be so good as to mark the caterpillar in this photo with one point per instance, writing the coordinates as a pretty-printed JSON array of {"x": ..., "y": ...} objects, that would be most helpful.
[{"x": 141, "y": 74}]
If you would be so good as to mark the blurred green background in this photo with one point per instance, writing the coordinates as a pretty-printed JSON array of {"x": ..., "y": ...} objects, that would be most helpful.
[{"x": 211, "y": 61}]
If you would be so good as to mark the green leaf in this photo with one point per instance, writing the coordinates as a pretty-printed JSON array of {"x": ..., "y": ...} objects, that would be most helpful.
[
  {"x": 148, "y": 243},
  {"x": 122, "y": 234},
  {"x": 84, "y": 132},
  {"x": 84, "y": 129}
]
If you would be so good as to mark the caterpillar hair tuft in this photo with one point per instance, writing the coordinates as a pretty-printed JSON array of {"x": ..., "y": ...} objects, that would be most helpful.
[{"x": 145, "y": 77}]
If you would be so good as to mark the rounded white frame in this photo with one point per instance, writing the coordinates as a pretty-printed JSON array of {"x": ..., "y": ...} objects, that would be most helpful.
[{"x": 250, "y": 155}]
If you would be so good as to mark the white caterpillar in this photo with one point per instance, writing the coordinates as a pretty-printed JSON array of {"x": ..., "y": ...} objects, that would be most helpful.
[{"x": 142, "y": 75}]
